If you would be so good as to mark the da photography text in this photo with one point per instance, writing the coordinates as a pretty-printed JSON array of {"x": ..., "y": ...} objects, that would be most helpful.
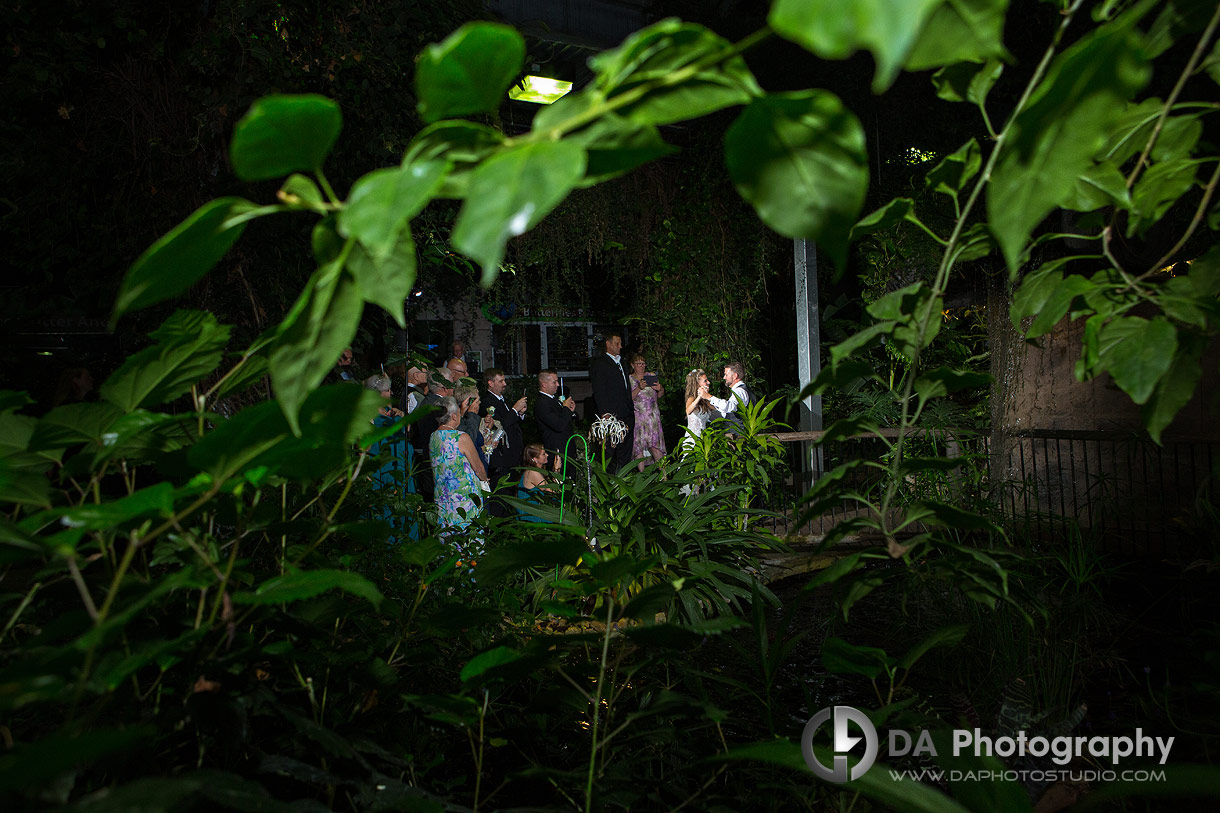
[{"x": 1062, "y": 750}]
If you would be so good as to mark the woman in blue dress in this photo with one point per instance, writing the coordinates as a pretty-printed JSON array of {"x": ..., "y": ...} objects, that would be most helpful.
[
  {"x": 458, "y": 473},
  {"x": 534, "y": 480}
]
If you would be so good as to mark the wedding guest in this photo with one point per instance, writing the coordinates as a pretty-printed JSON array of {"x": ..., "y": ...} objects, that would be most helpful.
[
  {"x": 458, "y": 473},
  {"x": 392, "y": 477},
  {"x": 645, "y": 392},
  {"x": 535, "y": 479}
]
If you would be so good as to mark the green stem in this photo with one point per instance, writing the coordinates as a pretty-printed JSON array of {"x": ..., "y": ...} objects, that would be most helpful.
[
  {"x": 25, "y": 602},
  {"x": 1200, "y": 212},
  {"x": 326, "y": 529},
  {"x": 326, "y": 187},
  {"x": 923, "y": 318},
  {"x": 597, "y": 701},
  {"x": 478, "y": 758},
  {"x": 1187, "y": 72}
]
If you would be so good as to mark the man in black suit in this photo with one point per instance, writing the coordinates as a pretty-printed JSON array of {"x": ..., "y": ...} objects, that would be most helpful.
[
  {"x": 555, "y": 418},
  {"x": 507, "y": 455},
  {"x": 612, "y": 394}
]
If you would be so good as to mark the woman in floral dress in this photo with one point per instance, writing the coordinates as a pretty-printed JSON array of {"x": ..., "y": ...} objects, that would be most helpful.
[
  {"x": 649, "y": 439},
  {"x": 457, "y": 470}
]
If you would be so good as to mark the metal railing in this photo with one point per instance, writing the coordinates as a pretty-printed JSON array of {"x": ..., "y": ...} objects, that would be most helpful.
[{"x": 1120, "y": 489}]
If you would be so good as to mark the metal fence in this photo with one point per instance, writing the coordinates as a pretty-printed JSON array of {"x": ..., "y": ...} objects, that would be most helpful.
[
  {"x": 1124, "y": 491},
  {"x": 1116, "y": 488}
]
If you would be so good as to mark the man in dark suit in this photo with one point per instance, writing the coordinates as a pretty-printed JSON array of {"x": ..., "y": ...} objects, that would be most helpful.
[
  {"x": 612, "y": 394},
  {"x": 555, "y": 418},
  {"x": 507, "y": 455}
]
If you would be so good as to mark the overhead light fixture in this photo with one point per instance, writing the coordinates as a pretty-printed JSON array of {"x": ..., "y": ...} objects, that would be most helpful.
[{"x": 539, "y": 89}]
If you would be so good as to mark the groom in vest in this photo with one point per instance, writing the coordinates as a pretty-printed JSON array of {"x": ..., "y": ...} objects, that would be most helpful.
[
  {"x": 739, "y": 398},
  {"x": 612, "y": 394}
]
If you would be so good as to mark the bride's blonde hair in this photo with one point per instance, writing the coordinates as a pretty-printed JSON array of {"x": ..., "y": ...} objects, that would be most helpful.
[{"x": 692, "y": 390}]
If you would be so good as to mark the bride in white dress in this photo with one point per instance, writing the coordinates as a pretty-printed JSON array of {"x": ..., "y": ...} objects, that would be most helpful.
[{"x": 698, "y": 412}]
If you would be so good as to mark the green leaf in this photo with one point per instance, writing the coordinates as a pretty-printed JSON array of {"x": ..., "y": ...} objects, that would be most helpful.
[
  {"x": 382, "y": 202},
  {"x": 157, "y": 501},
  {"x": 281, "y": 134},
  {"x": 938, "y": 513},
  {"x": 1178, "y": 137},
  {"x": 800, "y": 160},
  {"x": 882, "y": 219},
  {"x": 71, "y": 424},
  {"x": 833, "y": 29},
  {"x": 33, "y": 766},
  {"x": 967, "y": 81},
  {"x": 180, "y": 259},
  {"x": 974, "y": 244},
  {"x": 1157, "y": 190},
  {"x": 1177, "y": 386},
  {"x": 944, "y": 380},
  {"x": 954, "y": 171},
  {"x": 649, "y": 601},
  {"x": 310, "y": 583},
  {"x": 321, "y": 323},
  {"x": 1177, "y": 19},
  {"x": 490, "y": 659},
  {"x": 1058, "y": 304},
  {"x": 462, "y": 144},
  {"x": 250, "y": 373},
  {"x": 1137, "y": 352},
  {"x": 842, "y": 658},
  {"x": 614, "y": 144},
  {"x": 12, "y": 400},
  {"x": 961, "y": 31},
  {"x": 1053, "y": 141},
  {"x": 190, "y": 345},
  {"x": 502, "y": 562},
  {"x": 1086, "y": 365},
  {"x": 300, "y": 190},
  {"x": 470, "y": 71},
  {"x": 510, "y": 193},
  {"x": 686, "y": 70},
  {"x": 862, "y": 338},
  {"x": 945, "y": 636},
  {"x": 1130, "y": 130},
  {"x": 23, "y": 485},
  {"x": 1099, "y": 185},
  {"x": 841, "y": 567},
  {"x": 331, "y": 419},
  {"x": 386, "y": 282},
  {"x": 1204, "y": 274}
]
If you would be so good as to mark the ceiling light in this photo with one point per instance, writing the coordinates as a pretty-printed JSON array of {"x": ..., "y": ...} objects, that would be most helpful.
[{"x": 539, "y": 89}]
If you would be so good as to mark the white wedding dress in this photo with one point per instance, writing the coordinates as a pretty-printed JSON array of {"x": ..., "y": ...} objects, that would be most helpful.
[{"x": 696, "y": 422}]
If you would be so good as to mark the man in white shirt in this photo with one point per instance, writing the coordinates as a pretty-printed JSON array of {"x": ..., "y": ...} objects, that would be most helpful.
[{"x": 739, "y": 398}]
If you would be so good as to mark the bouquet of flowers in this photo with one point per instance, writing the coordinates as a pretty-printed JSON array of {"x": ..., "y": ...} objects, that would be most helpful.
[{"x": 497, "y": 434}]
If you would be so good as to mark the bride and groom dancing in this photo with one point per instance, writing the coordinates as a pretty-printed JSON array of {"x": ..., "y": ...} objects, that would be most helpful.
[{"x": 702, "y": 407}]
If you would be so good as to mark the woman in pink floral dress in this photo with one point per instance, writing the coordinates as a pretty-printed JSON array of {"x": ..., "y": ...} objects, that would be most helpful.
[{"x": 648, "y": 440}]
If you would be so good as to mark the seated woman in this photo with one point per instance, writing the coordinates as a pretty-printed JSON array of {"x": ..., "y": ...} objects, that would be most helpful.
[
  {"x": 535, "y": 479},
  {"x": 457, "y": 470}
]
